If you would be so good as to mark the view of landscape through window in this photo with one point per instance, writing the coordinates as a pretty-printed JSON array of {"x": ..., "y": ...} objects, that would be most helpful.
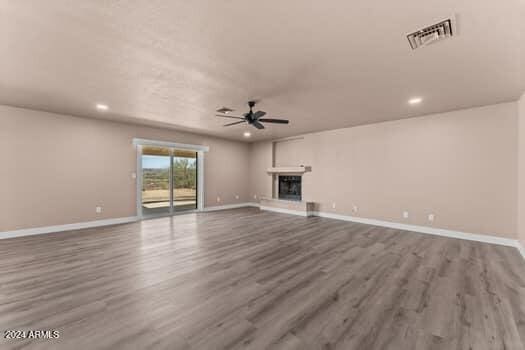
[{"x": 156, "y": 182}]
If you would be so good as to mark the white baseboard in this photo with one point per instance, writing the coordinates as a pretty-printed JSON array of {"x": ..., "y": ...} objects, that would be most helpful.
[
  {"x": 424, "y": 229},
  {"x": 229, "y": 206},
  {"x": 406, "y": 227},
  {"x": 521, "y": 249},
  {"x": 66, "y": 227},
  {"x": 97, "y": 223},
  {"x": 414, "y": 228}
]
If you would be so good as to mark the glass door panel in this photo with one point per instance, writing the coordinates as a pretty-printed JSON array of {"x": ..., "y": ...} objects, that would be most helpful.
[
  {"x": 184, "y": 180},
  {"x": 156, "y": 174}
]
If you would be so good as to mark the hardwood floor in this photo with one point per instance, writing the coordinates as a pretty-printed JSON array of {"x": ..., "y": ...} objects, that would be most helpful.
[{"x": 249, "y": 279}]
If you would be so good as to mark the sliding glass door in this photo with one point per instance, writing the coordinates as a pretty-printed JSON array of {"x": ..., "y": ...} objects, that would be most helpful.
[
  {"x": 156, "y": 173},
  {"x": 169, "y": 180},
  {"x": 184, "y": 180}
]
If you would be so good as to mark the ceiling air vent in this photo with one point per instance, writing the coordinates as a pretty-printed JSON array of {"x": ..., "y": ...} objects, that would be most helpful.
[
  {"x": 432, "y": 34},
  {"x": 225, "y": 110}
]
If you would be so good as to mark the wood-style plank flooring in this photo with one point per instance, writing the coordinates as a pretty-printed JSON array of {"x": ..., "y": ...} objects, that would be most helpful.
[{"x": 249, "y": 279}]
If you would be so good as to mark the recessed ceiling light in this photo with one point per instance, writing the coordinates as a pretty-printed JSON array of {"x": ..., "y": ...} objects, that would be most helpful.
[
  {"x": 247, "y": 134},
  {"x": 102, "y": 107},
  {"x": 415, "y": 100}
]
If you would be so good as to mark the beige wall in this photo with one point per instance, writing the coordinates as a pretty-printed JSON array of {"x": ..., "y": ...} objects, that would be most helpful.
[
  {"x": 260, "y": 160},
  {"x": 56, "y": 169},
  {"x": 460, "y": 166},
  {"x": 521, "y": 169}
]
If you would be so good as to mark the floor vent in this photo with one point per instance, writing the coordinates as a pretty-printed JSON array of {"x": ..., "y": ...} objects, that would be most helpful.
[{"x": 431, "y": 34}]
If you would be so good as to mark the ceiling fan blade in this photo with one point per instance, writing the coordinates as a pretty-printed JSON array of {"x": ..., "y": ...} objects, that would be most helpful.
[
  {"x": 228, "y": 116},
  {"x": 258, "y": 125},
  {"x": 277, "y": 121},
  {"x": 234, "y": 123},
  {"x": 258, "y": 114}
]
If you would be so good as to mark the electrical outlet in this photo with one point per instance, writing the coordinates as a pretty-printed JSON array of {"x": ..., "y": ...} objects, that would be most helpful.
[
  {"x": 431, "y": 217},
  {"x": 98, "y": 209},
  {"x": 355, "y": 209},
  {"x": 405, "y": 214},
  {"x": 218, "y": 199},
  {"x": 133, "y": 175},
  {"x": 333, "y": 205},
  {"x": 254, "y": 196},
  {"x": 236, "y": 196}
]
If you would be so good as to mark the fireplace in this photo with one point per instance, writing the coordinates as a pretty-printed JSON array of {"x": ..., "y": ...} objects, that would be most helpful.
[{"x": 290, "y": 187}]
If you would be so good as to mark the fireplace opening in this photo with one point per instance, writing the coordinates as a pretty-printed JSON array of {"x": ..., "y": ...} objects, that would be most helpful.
[{"x": 290, "y": 187}]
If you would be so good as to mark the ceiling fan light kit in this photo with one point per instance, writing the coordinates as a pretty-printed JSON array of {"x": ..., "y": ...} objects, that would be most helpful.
[{"x": 252, "y": 118}]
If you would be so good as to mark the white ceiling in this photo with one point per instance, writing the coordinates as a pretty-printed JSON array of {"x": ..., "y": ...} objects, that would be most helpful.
[{"x": 321, "y": 64}]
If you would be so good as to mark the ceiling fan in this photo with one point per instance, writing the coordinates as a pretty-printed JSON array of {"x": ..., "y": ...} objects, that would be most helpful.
[{"x": 252, "y": 118}]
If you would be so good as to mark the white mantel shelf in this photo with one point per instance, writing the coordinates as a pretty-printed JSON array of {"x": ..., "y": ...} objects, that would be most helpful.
[{"x": 287, "y": 170}]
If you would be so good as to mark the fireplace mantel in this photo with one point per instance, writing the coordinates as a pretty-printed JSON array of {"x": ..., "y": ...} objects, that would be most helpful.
[{"x": 288, "y": 170}]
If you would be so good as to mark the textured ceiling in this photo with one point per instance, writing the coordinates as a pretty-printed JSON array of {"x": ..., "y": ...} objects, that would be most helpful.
[{"x": 321, "y": 64}]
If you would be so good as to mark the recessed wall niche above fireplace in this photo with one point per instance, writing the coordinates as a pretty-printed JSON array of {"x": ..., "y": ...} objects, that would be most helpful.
[{"x": 290, "y": 187}]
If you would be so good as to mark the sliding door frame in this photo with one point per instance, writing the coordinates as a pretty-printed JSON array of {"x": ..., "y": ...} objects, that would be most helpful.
[
  {"x": 171, "y": 183},
  {"x": 139, "y": 180},
  {"x": 200, "y": 180},
  {"x": 200, "y": 150}
]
